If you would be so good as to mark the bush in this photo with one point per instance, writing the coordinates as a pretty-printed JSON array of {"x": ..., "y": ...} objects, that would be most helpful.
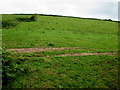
[
  {"x": 107, "y": 19},
  {"x": 12, "y": 23},
  {"x": 0, "y": 24},
  {"x": 51, "y": 45},
  {"x": 32, "y": 18},
  {"x": 24, "y": 19},
  {"x": 9, "y": 23}
]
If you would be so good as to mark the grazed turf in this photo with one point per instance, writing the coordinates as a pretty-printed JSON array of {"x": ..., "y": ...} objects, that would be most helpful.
[
  {"x": 61, "y": 32},
  {"x": 89, "y": 71},
  {"x": 60, "y": 52}
]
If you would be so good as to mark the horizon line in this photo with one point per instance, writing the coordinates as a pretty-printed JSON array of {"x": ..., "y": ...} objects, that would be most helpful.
[{"x": 59, "y": 16}]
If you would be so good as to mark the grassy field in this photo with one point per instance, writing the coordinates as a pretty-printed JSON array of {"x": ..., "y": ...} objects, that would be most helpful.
[
  {"x": 44, "y": 69},
  {"x": 61, "y": 32}
]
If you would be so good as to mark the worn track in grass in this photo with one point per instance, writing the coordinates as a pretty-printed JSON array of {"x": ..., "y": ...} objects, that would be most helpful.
[
  {"x": 83, "y": 54},
  {"x": 33, "y": 50}
]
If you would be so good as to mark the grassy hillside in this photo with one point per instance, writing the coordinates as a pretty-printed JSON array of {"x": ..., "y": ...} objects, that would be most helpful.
[
  {"x": 61, "y": 32},
  {"x": 44, "y": 69}
]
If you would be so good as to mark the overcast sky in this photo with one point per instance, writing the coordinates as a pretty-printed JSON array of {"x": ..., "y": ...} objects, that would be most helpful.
[{"x": 102, "y": 9}]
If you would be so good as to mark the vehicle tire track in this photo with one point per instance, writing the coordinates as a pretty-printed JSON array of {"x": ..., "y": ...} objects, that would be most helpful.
[
  {"x": 33, "y": 50},
  {"x": 84, "y": 54}
]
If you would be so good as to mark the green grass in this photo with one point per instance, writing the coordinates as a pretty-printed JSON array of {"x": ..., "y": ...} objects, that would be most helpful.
[
  {"x": 37, "y": 70},
  {"x": 0, "y": 41},
  {"x": 67, "y": 72},
  {"x": 61, "y": 32}
]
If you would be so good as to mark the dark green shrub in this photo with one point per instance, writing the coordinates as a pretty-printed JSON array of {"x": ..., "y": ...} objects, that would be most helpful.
[
  {"x": 12, "y": 23},
  {"x": 51, "y": 45},
  {"x": 107, "y": 19},
  {"x": 0, "y": 24},
  {"x": 9, "y": 23},
  {"x": 24, "y": 19},
  {"x": 32, "y": 18}
]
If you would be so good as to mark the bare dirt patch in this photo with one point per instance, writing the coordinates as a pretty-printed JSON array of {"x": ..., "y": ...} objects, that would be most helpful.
[
  {"x": 33, "y": 50},
  {"x": 82, "y": 54}
]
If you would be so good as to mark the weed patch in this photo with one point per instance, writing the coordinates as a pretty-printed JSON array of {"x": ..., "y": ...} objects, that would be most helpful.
[{"x": 11, "y": 68}]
